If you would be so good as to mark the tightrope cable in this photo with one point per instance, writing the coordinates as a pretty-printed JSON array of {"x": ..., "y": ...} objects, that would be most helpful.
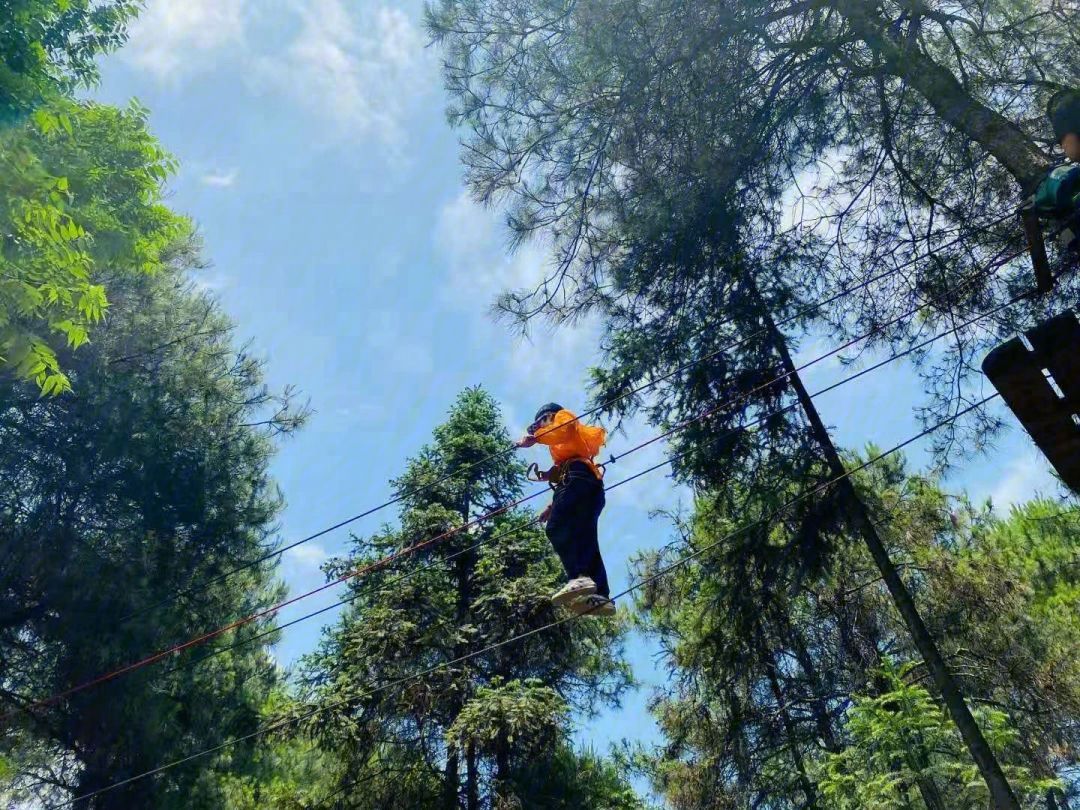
[
  {"x": 843, "y": 292},
  {"x": 529, "y": 633},
  {"x": 427, "y": 543}
]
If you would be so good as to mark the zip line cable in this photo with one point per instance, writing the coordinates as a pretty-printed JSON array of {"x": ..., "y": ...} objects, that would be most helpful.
[
  {"x": 509, "y": 532},
  {"x": 791, "y": 318},
  {"x": 521, "y": 527},
  {"x": 529, "y": 633},
  {"x": 671, "y": 459},
  {"x": 613, "y": 459},
  {"x": 417, "y": 547}
]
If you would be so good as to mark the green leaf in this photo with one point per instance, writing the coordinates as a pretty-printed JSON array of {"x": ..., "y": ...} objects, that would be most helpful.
[{"x": 55, "y": 384}]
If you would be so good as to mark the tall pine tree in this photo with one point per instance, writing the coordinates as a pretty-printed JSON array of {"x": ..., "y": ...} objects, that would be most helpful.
[
  {"x": 855, "y": 139},
  {"x": 819, "y": 700},
  {"x": 150, "y": 483},
  {"x": 492, "y": 731}
]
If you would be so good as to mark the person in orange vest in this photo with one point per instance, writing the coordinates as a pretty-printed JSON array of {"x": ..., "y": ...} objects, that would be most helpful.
[{"x": 573, "y": 516}]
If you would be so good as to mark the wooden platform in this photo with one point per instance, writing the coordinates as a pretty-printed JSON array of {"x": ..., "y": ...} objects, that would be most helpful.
[{"x": 1023, "y": 378}]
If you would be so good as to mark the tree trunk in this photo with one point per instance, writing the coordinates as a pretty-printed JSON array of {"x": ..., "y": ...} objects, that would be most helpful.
[
  {"x": 451, "y": 782},
  {"x": 463, "y": 574},
  {"x": 502, "y": 763},
  {"x": 928, "y": 788},
  {"x": 868, "y": 658},
  {"x": 822, "y": 715},
  {"x": 472, "y": 789},
  {"x": 1056, "y": 799},
  {"x": 792, "y": 734},
  {"x": 996, "y": 134},
  {"x": 861, "y": 523}
]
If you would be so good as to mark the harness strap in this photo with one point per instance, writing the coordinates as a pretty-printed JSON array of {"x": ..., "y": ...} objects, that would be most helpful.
[{"x": 561, "y": 472}]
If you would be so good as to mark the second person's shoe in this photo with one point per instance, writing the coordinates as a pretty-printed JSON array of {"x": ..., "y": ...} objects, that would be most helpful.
[
  {"x": 573, "y": 590},
  {"x": 594, "y": 605}
]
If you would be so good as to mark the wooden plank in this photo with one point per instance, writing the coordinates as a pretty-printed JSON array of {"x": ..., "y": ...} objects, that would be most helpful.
[
  {"x": 1017, "y": 373},
  {"x": 1057, "y": 341}
]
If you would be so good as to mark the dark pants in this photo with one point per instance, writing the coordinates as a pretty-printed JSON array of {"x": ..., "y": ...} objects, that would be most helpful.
[{"x": 572, "y": 526}]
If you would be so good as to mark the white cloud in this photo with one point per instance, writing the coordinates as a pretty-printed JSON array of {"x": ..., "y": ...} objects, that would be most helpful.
[
  {"x": 209, "y": 281},
  {"x": 813, "y": 350},
  {"x": 365, "y": 74},
  {"x": 305, "y": 558},
  {"x": 556, "y": 360},
  {"x": 174, "y": 38},
  {"x": 1023, "y": 477},
  {"x": 221, "y": 179},
  {"x": 472, "y": 241},
  {"x": 365, "y": 71}
]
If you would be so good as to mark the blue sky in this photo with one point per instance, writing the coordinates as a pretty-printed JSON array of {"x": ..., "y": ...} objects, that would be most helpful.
[{"x": 318, "y": 164}]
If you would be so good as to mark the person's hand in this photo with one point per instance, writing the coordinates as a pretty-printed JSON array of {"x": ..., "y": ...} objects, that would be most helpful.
[
  {"x": 527, "y": 441},
  {"x": 545, "y": 514}
]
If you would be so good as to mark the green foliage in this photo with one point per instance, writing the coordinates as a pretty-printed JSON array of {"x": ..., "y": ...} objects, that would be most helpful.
[
  {"x": 849, "y": 140},
  {"x": 152, "y": 481},
  {"x": 565, "y": 779},
  {"x": 516, "y": 713},
  {"x": 810, "y": 693},
  {"x": 901, "y": 738},
  {"x": 82, "y": 188},
  {"x": 82, "y": 183},
  {"x": 291, "y": 775},
  {"x": 699, "y": 167},
  {"x": 49, "y": 48}
]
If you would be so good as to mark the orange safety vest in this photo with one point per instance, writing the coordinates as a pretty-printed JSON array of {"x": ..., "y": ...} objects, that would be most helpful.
[{"x": 569, "y": 440}]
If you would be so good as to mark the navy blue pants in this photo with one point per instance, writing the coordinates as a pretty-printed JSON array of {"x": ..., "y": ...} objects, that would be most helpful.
[{"x": 572, "y": 526}]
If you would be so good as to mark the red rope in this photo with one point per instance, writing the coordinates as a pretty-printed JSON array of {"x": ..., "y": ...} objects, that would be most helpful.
[
  {"x": 790, "y": 319},
  {"x": 412, "y": 549},
  {"x": 268, "y": 611}
]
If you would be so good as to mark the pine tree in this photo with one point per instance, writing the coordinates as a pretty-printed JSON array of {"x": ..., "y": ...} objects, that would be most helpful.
[
  {"x": 491, "y": 731},
  {"x": 795, "y": 703},
  {"x": 851, "y": 139},
  {"x": 594, "y": 124},
  {"x": 150, "y": 483}
]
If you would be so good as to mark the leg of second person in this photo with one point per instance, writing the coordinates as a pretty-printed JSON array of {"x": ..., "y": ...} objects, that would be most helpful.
[
  {"x": 563, "y": 530},
  {"x": 559, "y": 531},
  {"x": 587, "y": 541}
]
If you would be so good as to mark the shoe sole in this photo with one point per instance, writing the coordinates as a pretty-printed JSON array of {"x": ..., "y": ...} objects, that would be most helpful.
[
  {"x": 582, "y": 609},
  {"x": 567, "y": 597}
]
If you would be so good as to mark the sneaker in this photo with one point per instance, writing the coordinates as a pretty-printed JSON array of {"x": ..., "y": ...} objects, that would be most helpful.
[
  {"x": 593, "y": 605},
  {"x": 574, "y": 589}
]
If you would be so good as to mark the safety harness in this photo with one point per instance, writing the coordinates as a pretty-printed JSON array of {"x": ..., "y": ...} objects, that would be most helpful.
[{"x": 560, "y": 473}]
